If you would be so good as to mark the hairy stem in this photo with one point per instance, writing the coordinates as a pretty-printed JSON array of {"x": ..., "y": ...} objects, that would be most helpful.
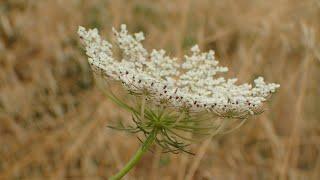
[{"x": 137, "y": 156}]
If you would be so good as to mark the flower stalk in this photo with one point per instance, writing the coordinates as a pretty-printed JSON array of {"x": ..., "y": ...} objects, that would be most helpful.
[{"x": 137, "y": 156}]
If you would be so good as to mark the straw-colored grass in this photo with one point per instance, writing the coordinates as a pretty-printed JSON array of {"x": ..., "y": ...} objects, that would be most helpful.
[{"x": 53, "y": 120}]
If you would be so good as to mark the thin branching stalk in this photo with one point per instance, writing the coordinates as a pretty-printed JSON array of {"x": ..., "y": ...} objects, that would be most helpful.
[
  {"x": 178, "y": 119},
  {"x": 143, "y": 103}
]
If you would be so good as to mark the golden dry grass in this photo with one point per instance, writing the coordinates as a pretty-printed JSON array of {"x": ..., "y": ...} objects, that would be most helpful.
[{"x": 53, "y": 119}]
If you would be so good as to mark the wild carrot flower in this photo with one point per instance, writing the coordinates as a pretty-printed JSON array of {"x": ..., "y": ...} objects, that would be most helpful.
[{"x": 172, "y": 97}]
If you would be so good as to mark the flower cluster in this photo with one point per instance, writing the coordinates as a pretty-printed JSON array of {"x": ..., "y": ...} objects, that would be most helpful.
[{"x": 193, "y": 86}]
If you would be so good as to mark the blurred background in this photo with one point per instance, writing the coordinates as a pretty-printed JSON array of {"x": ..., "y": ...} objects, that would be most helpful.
[{"x": 53, "y": 119}]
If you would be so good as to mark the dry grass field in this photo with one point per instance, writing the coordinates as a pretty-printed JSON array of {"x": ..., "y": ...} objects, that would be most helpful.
[{"x": 53, "y": 119}]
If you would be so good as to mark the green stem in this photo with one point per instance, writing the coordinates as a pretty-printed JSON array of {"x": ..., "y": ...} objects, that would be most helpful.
[{"x": 135, "y": 159}]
